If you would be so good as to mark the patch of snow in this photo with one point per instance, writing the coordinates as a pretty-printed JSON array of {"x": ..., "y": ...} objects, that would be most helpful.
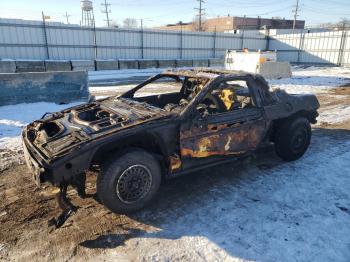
[
  {"x": 14, "y": 117},
  {"x": 295, "y": 211},
  {"x": 11, "y": 143},
  {"x": 334, "y": 114},
  {"x": 313, "y": 80},
  {"x": 121, "y": 74},
  {"x": 7, "y": 122},
  {"x": 11, "y": 152},
  {"x": 104, "y": 89}
]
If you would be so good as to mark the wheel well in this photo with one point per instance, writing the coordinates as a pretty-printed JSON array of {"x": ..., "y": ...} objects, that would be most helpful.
[
  {"x": 146, "y": 141},
  {"x": 309, "y": 115}
]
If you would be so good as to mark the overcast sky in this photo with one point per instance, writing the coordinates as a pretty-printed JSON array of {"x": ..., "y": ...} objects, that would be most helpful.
[{"x": 161, "y": 12}]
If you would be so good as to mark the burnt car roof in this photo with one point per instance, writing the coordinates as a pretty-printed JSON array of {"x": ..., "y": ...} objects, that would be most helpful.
[{"x": 205, "y": 73}]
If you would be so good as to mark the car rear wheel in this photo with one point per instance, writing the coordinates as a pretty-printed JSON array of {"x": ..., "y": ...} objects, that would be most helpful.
[
  {"x": 293, "y": 138},
  {"x": 128, "y": 182}
]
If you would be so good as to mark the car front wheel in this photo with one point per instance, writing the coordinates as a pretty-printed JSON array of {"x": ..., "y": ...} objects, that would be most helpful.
[
  {"x": 127, "y": 183},
  {"x": 293, "y": 138}
]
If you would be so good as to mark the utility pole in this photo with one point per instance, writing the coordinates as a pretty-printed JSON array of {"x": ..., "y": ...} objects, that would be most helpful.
[
  {"x": 106, "y": 10},
  {"x": 67, "y": 17},
  {"x": 142, "y": 42},
  {"x": 295, "y": 11},
  {"x": 200, "y": 14},
  {"x": 45, "y": 34}
]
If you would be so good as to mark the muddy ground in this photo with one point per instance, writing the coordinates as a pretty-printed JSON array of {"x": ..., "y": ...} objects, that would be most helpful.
[{"x": 93, "y": 231}]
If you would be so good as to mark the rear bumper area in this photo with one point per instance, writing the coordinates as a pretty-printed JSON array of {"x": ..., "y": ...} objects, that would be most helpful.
[{"x": 34, "y": 167}]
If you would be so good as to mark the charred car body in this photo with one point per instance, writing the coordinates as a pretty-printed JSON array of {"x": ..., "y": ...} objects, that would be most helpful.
[{"x": 213, "y": 116}]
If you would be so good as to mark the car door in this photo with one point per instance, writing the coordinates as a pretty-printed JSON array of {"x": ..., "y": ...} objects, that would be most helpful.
[{"x": 232, "y": 132}]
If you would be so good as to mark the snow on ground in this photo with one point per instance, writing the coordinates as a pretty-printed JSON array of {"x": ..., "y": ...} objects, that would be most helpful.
[
  {"x": 313, "y": 80},
  {"x": 12, "y": 119},
  {"x": 334, "y": 114},
  {"x": 121, "y": 74},
  {"x": 266, "y": 210}
]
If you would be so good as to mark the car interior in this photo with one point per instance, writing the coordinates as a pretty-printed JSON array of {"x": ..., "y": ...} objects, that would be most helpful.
[{"x": 179, "y": 91}]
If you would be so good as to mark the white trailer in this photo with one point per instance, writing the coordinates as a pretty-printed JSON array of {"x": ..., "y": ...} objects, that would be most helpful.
[{"x": 264, "y": 63}]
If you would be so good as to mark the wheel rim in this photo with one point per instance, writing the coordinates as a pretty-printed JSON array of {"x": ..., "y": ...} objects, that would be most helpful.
[
  {"x": 299, "y": 140},
  {"x": 134, "y": 184}
]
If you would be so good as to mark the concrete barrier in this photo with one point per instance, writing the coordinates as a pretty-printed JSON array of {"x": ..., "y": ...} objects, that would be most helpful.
[
  {"x": 57, "y": 87},
  {"x": 83, "y": 65},
  {"x": 184, "y": 63},
  {"x": 200, "y": 63},
  {"x": 55, "y": 65},
  {"x": 166, "y": 63},
  {"x": 144, "y": 64},
  {"x": 23, "y": 66},
  {"x": 7, "y": 66},
  {"x": 107, "y": 65},
  {"x": 272, "y": 70},
  {"x": 216, "y": 62},
  {"x": 128, "y": 64},
  {"x": 30, "y": 66}
]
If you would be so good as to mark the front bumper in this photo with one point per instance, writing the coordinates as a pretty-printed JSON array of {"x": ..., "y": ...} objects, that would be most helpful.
[{"x": 34, "y": 167}]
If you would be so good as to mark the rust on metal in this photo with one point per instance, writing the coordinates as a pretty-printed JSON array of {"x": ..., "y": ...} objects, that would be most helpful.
[
  {"x": 221, "y": 140},
  {"x": 175, "y": 162}
]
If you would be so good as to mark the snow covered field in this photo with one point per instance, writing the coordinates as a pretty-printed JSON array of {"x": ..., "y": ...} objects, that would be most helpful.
[
  {"x": 313, "y": 80},
  {"x": 262, "y": 210}
]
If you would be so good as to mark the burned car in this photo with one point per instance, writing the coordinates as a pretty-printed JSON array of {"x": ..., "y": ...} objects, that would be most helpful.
[{"x": 136, "y": 139}]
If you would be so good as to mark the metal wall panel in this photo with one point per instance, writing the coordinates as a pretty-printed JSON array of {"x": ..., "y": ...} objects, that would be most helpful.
[
  {"x": 288, "y": 56},
  {"x": 26, "y": 40},
  {"x": 316, "y": 48}
]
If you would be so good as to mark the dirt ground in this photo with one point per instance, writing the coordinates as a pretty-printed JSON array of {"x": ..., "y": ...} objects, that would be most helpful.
[{"x": 25, "y": 209}]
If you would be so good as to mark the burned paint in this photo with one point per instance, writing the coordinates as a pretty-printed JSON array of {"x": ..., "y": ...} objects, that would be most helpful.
[
  {"x": 221, "y": 139},
  {"x": 175, "y": 162}
]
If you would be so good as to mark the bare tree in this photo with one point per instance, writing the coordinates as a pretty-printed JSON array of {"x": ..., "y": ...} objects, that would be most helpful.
[
  {"x": 114, "y": 23},
  {"x": 343, "y": 23},
  {"x": 130, "y": 23},
  {"x": 195, "y": 24}
]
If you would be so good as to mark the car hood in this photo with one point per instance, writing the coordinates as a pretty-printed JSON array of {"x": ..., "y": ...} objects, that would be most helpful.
[{"x": 59, "y": 132}]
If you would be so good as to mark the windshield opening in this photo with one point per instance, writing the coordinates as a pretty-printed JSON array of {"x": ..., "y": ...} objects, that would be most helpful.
[{"x": 170, "y": 93}]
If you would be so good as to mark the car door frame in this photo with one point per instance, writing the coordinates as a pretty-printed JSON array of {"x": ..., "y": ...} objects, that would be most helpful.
[{"x": 197, "y": 131}]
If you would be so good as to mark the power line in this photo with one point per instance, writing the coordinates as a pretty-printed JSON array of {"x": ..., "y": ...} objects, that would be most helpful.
[
  {"x": 200, "y": 14},
  {"x": 296, "y": 10},
  {"x": 106, "y": 11}
]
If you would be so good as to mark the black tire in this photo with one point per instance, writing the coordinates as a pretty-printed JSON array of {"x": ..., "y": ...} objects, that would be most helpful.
[
  {"x": 293, "y": 138},
  {"x": 128, "y": 182}
]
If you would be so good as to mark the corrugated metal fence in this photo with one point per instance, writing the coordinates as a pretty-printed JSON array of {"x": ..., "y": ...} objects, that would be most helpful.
[
  {"x": 20, "y": 39},
  {"x": 313, "y": 48},
  {"x": 23, "y": 40}
]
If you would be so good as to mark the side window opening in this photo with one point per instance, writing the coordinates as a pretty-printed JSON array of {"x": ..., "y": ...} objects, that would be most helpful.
[{"x": 228, "y": 96}]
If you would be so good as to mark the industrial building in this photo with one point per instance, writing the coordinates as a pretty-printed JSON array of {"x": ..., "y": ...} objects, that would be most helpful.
[{"x": 227, "y": 23}]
